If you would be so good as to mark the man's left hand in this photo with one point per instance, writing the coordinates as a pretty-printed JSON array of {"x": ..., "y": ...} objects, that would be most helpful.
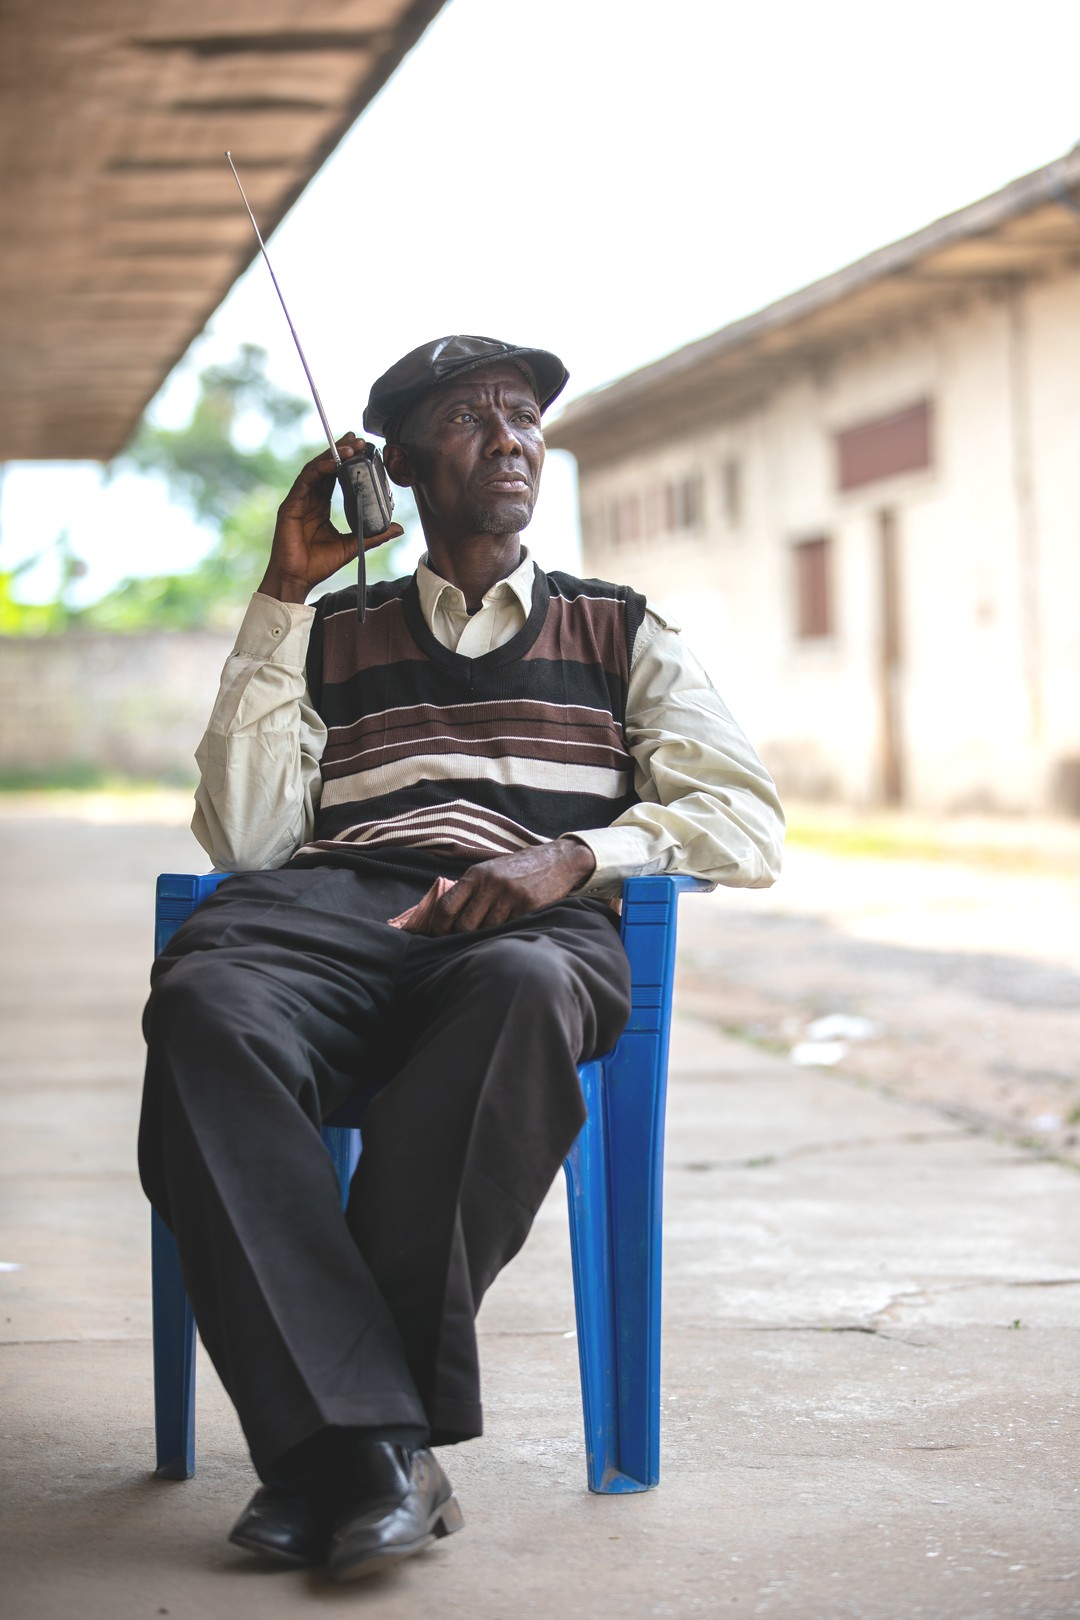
[{"x": 509, "y": 886}]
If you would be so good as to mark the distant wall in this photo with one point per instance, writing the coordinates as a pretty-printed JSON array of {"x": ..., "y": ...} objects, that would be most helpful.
[{"x": 136, "y": 704}]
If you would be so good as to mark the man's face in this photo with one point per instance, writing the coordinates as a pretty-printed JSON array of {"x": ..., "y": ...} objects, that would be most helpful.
[{"x": 473, "y": 451}]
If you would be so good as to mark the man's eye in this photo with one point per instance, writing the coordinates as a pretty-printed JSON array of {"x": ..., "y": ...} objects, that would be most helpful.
[{"x": 463, "y": 416}]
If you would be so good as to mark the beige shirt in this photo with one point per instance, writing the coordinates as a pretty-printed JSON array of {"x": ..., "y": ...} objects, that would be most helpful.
[{"x": 708, "y": 806}]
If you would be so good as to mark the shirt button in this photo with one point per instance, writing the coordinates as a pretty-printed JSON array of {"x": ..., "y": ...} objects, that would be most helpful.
[{"x": 276, "y": 631}]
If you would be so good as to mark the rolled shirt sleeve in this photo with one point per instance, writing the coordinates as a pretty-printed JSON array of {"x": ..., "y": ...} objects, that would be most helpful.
[
  {"x": 708, "y": 805},
  {"x": 259, "y": 758}
]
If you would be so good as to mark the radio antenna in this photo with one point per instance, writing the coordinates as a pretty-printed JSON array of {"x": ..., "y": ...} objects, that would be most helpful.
[{"x": 307, "y": 373}]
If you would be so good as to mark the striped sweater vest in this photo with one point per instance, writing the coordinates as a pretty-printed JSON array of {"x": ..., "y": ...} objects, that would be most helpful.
[{"x": 434, "y": 760}]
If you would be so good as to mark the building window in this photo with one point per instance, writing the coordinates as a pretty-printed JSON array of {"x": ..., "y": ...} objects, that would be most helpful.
[
  {"x": 684, "y": 503},
  {"x": 652, "y": 513},
  {"x": 731, "y": 491},
  {"x": 885, "y": 447},
  {"x": 626, "y": 519},
  {"x": 813, "y": 588},
  {"x": 689, "y": 502}
]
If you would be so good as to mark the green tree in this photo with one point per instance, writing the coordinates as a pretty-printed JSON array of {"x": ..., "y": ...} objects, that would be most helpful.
[
  {"x": 18, "y": 618},
  {"x": 230, "y": 465}
]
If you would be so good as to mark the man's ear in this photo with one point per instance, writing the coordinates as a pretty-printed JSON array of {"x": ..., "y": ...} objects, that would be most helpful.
[{"x": 399, "y": 464}]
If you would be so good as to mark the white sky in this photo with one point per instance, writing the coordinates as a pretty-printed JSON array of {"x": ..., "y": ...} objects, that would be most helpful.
[{"x": 610, "y": 179}]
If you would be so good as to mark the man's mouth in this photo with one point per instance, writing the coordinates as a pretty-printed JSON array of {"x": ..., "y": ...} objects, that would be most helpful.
[{"x": 512, "y": 482}]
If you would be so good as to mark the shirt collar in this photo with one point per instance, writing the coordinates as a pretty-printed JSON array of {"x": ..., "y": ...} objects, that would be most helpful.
[{"x": 432, "y": 587}]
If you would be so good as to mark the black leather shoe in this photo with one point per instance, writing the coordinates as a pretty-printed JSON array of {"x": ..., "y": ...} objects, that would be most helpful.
[
  {"x": 283, "y": 1525},
  {"x": 402, "y": 1502}
]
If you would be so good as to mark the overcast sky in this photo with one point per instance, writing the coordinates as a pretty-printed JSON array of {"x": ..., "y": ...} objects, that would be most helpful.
[{"x": 610, "y": 179}]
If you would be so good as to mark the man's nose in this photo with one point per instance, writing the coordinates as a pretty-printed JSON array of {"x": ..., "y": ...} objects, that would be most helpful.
[{"x": 501, "y": 438}]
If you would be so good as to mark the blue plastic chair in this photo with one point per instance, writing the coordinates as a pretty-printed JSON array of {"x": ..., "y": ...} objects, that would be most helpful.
[{"x": 614, "y": 1176}]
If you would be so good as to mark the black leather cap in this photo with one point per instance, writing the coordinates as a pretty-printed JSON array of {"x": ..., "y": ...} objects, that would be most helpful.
[{"x": 446, "y": 357}]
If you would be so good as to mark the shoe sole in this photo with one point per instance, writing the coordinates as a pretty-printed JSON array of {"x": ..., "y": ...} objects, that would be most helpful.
[{"x": 447, "y": 1519}]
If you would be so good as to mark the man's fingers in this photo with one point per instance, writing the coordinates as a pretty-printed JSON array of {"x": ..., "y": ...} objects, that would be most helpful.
[
  {"x": 474, "y": 902},
  {"x": 324, "y": 465},
  {"x": 483, "y": 909},
  {"x": 510, "y": 886},
  {"x": 489, "y": 901},
  {"x": 315, "y": 481},
  {"x": 445, "y": 913}
]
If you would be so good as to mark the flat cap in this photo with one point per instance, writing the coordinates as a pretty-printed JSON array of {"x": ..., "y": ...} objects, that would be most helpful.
[{"x": 411, "y": 377}]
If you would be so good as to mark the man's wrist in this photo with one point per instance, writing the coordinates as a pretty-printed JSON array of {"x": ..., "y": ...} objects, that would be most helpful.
[
  {"x": 283, "y": 587},
  {"x": 580, "y": 857}
]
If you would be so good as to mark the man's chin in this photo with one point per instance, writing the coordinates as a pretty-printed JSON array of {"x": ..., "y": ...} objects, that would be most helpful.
[{"x": 509, "y": 517}]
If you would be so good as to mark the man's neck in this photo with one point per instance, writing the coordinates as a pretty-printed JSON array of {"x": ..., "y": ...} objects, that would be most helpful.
[{"x": 474, "y": 564}]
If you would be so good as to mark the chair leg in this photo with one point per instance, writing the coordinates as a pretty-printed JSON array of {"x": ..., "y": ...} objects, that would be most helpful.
[
  {"x": 343, "y": 1145},
  {"x": 174, "y": 1358},
  {"x": 614, "y": 1189},
  {"x": 635, "y": 1099},
  {"x": 594, "y": 1289}
]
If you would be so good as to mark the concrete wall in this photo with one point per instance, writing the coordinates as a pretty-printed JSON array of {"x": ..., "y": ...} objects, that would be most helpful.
[
  {"x": 988, "y": 538},
  {"x": 133, "y": 704}
]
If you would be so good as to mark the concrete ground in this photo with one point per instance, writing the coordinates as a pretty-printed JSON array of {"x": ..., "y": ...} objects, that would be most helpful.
[
  {"x": 872, "y": 1326},
  {"x": 963, "y": 956}
]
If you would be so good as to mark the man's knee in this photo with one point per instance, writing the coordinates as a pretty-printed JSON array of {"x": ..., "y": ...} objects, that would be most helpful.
[
  {"x": 534, "y": 983},
  {"x": 499, "y": 972},
  {"x": 191, "y": 1000}
]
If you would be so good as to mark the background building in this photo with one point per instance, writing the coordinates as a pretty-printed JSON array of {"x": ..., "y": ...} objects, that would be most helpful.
[{"x": 863, "y": 505}]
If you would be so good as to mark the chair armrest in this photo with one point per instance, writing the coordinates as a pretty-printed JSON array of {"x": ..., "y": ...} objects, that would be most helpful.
[
  {"x": 649, "y": 917},
  {"x": 178, "y": 894}
]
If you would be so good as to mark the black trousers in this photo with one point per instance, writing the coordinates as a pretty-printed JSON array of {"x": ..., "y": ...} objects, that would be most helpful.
[{"x": 287, "y": 993}]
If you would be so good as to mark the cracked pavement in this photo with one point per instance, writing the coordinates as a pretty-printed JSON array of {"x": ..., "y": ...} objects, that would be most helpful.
[
  {"x": 969, "y": 968},
  {"x": 871, "y": 1330}
]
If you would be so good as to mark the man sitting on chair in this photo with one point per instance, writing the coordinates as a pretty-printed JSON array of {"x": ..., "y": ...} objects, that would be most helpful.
[{"x": 533, "y": 737}]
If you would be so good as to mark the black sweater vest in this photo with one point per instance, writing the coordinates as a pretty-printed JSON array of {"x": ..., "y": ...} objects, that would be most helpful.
[{"x": 434, "y": 761}]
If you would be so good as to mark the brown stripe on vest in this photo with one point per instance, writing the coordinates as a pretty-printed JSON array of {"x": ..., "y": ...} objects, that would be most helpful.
[
  {"x": 447, "y": 825},
  {"x": 458, "y": 823},
  {"x": 558, "y": 750},
  {"x": 585, "y": 631},
  {"x": 528, "y": 717},
  {"x": 387, "y": 639}
]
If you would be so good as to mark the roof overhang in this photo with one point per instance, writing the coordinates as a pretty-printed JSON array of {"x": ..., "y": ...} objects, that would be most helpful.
[
  {"x": 121, "y": 226},
  {"x": 1028, "y": 229}
]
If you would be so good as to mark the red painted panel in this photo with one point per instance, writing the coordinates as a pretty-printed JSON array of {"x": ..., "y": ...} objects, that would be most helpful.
[
  {"x": 813, "y": 593},
  {"x": 885, "y": 447}
]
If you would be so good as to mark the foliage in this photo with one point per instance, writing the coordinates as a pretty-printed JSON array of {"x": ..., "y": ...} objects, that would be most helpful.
[
  {"x": 202, "y": 463},
  {"x": 230, "y": 465},
  {"x": 26, "y": 618},
  {"x": 82, "y": 776},
  {"x": 19, "y": 618}
]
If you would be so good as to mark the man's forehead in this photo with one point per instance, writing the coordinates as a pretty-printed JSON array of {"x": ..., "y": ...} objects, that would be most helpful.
[{"x": 483, "y": 380}]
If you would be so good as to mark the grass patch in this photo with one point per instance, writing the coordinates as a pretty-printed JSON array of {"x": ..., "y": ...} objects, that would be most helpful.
[
  {"x": 869, "y": 840},
  {"x": 84, "y": 777},
  {"x": 892, "y": 840}
]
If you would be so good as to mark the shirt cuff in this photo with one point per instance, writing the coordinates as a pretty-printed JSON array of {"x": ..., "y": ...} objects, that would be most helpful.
[
  {"x": 620, "y": 852},
  {"x": 275, "y": 632}
]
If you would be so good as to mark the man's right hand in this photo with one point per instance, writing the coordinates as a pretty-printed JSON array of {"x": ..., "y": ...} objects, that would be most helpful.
[{"x": 307, "y": 548}]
